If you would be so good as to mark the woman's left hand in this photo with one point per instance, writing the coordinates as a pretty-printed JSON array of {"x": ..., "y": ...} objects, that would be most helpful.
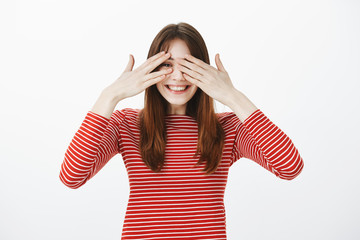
[{"x": 214, "y": 82}]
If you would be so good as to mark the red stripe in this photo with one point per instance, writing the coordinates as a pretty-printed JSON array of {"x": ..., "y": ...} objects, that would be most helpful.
[{"x": 180, "y": 202}]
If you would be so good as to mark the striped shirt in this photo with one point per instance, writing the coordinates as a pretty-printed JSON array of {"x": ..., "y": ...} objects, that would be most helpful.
[{"x": 180, "y": 202}]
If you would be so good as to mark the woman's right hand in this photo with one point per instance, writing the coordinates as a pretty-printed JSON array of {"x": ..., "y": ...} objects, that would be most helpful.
[{"x": 132, "y": 82}]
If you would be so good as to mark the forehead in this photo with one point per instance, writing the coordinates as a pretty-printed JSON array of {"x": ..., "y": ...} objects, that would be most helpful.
[{"x": 176, "y": 47}]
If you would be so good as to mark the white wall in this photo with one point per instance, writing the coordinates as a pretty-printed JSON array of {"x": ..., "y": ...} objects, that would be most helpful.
[{"x": 298, "y": 61}]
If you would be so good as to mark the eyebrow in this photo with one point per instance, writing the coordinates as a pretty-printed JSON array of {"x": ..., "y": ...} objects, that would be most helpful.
[{"x": 173, "y": 59}]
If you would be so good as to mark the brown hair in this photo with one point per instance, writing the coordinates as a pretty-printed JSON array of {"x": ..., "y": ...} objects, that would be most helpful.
[{"x": 200, "y": 107}]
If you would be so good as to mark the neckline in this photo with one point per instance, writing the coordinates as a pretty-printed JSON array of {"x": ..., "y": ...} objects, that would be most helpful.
[{"x": 178, "y": 116}]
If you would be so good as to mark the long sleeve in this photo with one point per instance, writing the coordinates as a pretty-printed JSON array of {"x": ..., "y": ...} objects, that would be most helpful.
[
  {"x": 259, "y": 139},
  {"x": 94, "y": 144}
]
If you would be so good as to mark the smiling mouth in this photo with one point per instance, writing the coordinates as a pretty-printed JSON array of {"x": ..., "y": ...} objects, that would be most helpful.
[{"x": 177, "y": 87}]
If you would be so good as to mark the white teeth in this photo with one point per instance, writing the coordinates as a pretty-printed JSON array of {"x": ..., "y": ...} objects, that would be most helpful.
[{"x": 177, "y": 88}]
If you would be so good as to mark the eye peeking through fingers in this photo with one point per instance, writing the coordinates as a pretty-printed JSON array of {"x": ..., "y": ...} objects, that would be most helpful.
[{"x": 165, "y": 65}]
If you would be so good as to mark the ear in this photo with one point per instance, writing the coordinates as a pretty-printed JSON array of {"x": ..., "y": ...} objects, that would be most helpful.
[{"x": 219, "y": 64}]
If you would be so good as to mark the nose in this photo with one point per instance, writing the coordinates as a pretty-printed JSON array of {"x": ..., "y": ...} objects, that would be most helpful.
[{"x": 176, "y": 73}]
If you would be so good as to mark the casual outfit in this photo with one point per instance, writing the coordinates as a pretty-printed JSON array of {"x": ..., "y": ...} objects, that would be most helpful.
[{"x": 180, "y": 202}]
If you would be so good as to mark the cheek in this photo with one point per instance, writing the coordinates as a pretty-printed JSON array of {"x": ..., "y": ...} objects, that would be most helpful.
[
  {"x": 158, "y": 86},
  {"x": 195, "y": 89}
]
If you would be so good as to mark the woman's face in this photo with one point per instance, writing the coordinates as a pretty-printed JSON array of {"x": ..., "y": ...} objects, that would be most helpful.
[{"x": 176, "y": 97}]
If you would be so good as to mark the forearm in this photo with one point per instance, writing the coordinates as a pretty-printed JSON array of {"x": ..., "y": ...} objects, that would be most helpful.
[
  {"x": 105, "y": 104},
  {"x": 262, "y": 141},
  {"x": 241, "y": 105}
]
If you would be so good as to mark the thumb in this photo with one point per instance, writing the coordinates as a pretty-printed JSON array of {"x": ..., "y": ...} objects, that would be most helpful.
[
  {"x": 219, "y": 64},
  {"x": 130, "y": 64}
]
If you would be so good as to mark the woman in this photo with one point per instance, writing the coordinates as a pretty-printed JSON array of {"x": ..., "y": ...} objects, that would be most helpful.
[{"x": 177, "y": 150}]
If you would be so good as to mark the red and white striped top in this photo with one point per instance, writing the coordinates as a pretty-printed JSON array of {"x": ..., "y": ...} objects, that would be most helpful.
[{"x": 180, "y": 202}]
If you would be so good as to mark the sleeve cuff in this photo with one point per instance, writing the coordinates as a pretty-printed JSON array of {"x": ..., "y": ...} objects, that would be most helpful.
[{"x": 254, "y": 115}]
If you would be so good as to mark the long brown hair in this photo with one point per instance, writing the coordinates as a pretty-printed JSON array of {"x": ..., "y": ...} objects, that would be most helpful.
[{"x": 201, "y": 107}]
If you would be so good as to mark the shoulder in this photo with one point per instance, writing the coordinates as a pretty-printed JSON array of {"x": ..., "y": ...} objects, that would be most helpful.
[
  {"x": 127, "y": 114},
  {"x": 227, "y": 118},
  {"x": 229, "y": 121}
]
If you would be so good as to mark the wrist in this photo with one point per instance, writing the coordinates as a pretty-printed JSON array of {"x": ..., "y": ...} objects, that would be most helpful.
[
  {"x": 241, "y": 105},
  {"x": 234, "y": 97},
  {"x": 108, "y": 95}
]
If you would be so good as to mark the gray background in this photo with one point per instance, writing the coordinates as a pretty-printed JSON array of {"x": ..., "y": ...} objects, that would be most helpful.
[{"x": 298, "y": 61}]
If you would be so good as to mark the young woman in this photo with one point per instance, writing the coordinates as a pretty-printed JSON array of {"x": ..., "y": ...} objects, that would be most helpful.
[{"x": 177, "y": 150}]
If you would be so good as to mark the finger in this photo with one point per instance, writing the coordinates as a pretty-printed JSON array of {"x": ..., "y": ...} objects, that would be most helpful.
[
  {"x": 151, "y": 59},
  {"x": 152, "y": 65},
  {"x": 130, "y": 64},
  {"x": 219, "y": 64},
  {"x": 197, "y": 61},
  {"x": 153, "y": 81},
  {"x": 193, "y": 80},
  {"x": 157, "y": 73},
  {"x": 192, "y": 66},
  {"x": 192, "y": 73}
]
